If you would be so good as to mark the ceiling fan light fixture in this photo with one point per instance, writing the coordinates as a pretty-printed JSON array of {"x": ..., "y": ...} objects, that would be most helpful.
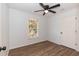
[
  {"x": 46, "y": 11},
  {"x": 47, "y": 8}
]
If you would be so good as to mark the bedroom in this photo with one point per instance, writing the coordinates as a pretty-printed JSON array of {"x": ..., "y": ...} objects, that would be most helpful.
[{"x": 53, "y": 31}]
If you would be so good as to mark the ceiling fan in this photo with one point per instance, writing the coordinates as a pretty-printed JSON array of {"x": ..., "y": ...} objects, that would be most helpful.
[{"x": 47, "y": 9}]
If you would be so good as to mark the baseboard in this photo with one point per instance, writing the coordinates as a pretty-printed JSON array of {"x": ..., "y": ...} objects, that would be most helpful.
[
  {"x": 27, "y": 44},
  {"x": 64, "y": 45},
  {"x": 54, "y": 42},
  {"x": 77, "y": 49}
]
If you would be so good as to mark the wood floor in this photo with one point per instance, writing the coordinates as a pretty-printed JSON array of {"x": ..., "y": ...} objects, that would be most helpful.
[{"x": 45, "y": 48}]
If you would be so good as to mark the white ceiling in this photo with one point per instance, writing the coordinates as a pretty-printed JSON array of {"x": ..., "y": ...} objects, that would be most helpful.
[{"x": 31, "y": 7}]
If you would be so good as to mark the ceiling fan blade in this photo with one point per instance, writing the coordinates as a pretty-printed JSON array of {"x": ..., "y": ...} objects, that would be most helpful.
[
  {"x": 42, "y": 5},
  {"x": 51, "y": 11},
  {"x": 44, "y": 13},
  {"x": 57, "y": 5},
  {"x": 38, "y": 10}
]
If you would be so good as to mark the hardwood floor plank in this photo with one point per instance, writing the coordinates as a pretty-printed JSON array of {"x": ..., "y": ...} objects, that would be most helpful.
[{"x": 45, "y": 48}]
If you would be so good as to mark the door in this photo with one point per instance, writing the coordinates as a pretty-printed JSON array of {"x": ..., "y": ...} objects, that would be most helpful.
[
  {"x": 68, "y": 32},
  {"x": 77, "y": 33},
  {"x": 4, "y": 29}
]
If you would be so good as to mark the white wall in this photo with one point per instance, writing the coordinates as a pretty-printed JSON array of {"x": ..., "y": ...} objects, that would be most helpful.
[
  {"x": 50, "y": 28},
  {"x": 57, "y": 25},
  {"x": 18, "y": 28}
]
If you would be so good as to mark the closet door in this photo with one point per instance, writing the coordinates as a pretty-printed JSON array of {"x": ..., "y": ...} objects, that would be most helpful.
[
  {"x": 68, "y": 32},
  {"x": 77, "y": 33}
]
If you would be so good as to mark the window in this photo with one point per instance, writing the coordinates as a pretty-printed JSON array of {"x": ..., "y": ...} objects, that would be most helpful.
[{"x": 33, "y": 28}]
